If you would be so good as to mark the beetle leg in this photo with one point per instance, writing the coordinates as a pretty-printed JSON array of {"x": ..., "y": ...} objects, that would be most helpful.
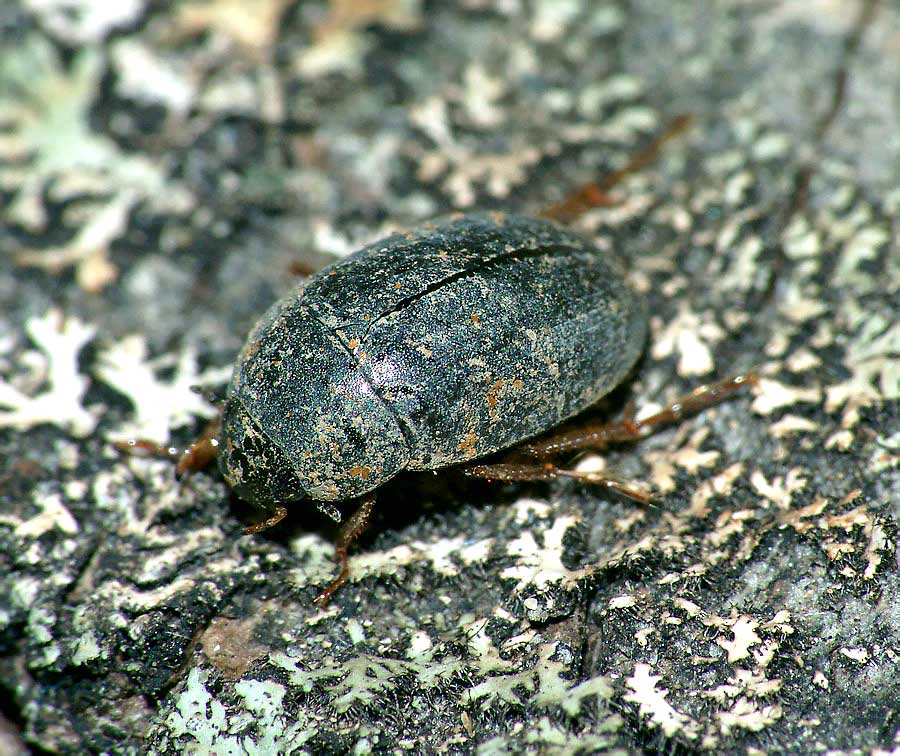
[
  {"x": 700, "y": 398},
  {"x": 143, "y": 446},
  {"x": 278, "y": 514},
  {"x": 590, "y": 437},
  {"x": 596, "y": 193},
  {"x": 349, "y": 532},
  {"x": 599, "y": 479},
  {"x": 197, "y": 456},
  {"x": 630, "y": 429},
  {"x": 512, "y": 471}
]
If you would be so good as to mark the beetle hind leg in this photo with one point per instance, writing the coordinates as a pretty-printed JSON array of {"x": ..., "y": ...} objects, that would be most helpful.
[
  {"x": 597, "y": 193},
  {"x": 514, "y": 471},
  {"x": 628, "y": 428},
  {"x": 526, "y": 464}
]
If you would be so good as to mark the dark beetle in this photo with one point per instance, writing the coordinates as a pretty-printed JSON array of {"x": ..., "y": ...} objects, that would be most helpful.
[
  {"x": 433, "y": 348},
  {"x": 423, "y": 350}
]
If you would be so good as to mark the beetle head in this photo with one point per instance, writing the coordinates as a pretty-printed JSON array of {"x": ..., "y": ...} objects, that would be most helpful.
[
  {"x": 254, "y": 467},
  {"x": 301, "y": 420},
  {"x": 277, "y": 445}
]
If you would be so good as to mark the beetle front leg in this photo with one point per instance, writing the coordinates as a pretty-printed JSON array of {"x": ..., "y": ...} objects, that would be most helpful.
[
  {"x": 278, "y": 514},
  {"x": 199, "y": 455},
  {"x": 349, "y": 532}
]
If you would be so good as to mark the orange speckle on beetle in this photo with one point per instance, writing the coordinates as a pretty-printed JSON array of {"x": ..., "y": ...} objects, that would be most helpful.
[
  {"x": 497, "y": 389},
  {"x": 493, "y": 392},
  {"x": 468, "y": 443}
]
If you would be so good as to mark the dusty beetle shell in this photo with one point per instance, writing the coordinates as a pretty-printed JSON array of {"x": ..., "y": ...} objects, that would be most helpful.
[{"x": 426, "y": 349}]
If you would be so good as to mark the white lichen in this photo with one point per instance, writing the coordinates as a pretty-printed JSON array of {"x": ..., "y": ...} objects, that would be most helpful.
[
  {"x": 160, "y": 404},
  {"x": 88, "y": 249},
  {"x": 744, "y": 636},
  {"x": 652, "y": 703},
  {"x": 873, "y": 357},
  {"x": 52, "y": 515},
  {"x": 84, "y": 21},
  {"x": 691, "y": 337},
  {"x": 749, "y": 715},
  {"x": 781, "y": 489},
  {"x": 541, "y": 566},
  {"x": 772, "y": 395},
  {"x": 59, "y": 340}
]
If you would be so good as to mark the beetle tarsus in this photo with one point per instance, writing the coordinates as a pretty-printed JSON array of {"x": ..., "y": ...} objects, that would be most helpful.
[
  {"x": 201, "y": 453},
  {"x": 612, "y": 484},
  {"x": 198, "y": 456},
  {"x": 349, "y": 532},
  {"x": 278, "y": 514},
  {"x": 143, "y": 446},
  {"x": 699, "y": 399}
]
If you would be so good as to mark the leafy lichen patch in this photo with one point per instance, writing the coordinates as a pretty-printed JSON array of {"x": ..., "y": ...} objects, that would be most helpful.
[
  {"x": 55, "y": 385},
  {"x": 49, "y": 148},
  {"x": 160, "y": 404},
  {"x": 651, "y": 702}
]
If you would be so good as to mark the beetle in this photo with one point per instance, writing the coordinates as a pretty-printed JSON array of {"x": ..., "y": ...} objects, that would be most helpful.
[
  {"x": 424, "y": 350},
  {"x": 431, "y": 348}
]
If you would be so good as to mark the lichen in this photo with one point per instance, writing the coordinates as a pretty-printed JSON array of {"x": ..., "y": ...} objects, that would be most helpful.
[
  {"x": 48, "y": 147},
  {"x": 55, "y": 386},
  {"x": 160, "y": 404}
]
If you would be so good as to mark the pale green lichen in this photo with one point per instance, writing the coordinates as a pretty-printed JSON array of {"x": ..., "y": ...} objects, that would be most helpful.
[
  {"x": 548, "y": 737},
  {"x": 197, "y": 717},
  {"x": 363, "y": 679},
  {"x": 200, "y": 724},
  {"x": 275, "y": 731},
  {"x": 531, "y": 676},
  {"x": 47, "y": 145},
  {"x": 87, "y": 649}
]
